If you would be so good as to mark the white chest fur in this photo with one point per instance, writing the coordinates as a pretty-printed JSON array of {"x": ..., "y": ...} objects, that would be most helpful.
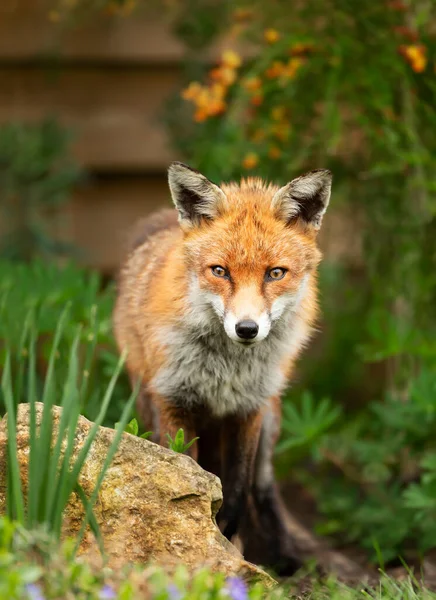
[{"x": 214, "y": 371}]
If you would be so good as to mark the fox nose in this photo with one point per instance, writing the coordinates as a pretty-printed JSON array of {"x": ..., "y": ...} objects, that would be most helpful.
[{"x": 246, "y": 330}]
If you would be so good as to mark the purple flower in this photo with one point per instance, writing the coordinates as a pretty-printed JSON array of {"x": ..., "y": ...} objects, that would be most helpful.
[
  {"x": 236, "y": 588},
  {"x": 107, "y": 593},
  {"x": 174, "y": 592},
  {"x": 34, "y": 592}
]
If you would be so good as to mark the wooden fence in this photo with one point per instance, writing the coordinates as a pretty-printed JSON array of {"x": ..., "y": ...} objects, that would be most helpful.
[{"x": 108, "y": 81}]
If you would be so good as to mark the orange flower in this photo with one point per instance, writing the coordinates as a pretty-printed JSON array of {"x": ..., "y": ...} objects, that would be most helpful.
[
  {"x": 200, "y": 115},
  {"x": 203, "y": 98},
  {"x": 217, "y": 107},
  {"x": 252, "y": 84},
  {"x": 250, "y": 161},
  {"x": 275, "y": 70},
  {"x": 257, "y": 100},
  {"x": 192, "y": 91},
  {"x": 218, "y": 90},
  {"x": 231, "y": 59},
  {"x": 416, "y": 56},
  {"x": 224, "y": 74},
  {"x": 274, "y": 152},
  {"x": 271, "y": 36},
  {"x": 292, "y": 67}
]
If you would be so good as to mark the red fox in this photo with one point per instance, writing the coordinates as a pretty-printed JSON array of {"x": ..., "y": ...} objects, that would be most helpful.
[{"x": 213, "y": 311}]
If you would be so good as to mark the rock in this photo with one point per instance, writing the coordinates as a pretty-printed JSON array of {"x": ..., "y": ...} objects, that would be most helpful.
[{"x": 154, "y": 504}]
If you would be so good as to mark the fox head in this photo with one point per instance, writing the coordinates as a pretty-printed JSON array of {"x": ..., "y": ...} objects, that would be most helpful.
[{"x": 250, "y": 248}]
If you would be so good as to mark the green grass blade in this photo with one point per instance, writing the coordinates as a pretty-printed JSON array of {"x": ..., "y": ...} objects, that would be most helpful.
[
  {"x": 34, "y": 468},
  {"x": 68, "y": 485},
  {"x": 21, "y": 356},
  {"x": 69, "y": 400},
  {"x": 92, "y": 520},
  {"x": 109, "y": 457},
  {"x": 43, "y": 443},
  {"x": 63, "y": 480},
  {"x": 90, "y": 352},
  {"x": 15, "y": 505},
  {"x": 100, "y": 418}
]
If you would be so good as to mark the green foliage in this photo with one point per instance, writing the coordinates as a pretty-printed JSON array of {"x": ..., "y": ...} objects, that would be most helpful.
[
  {"x": 382, "y": 473},
  {"x": 36, "y": 177},
  {"x": 325, "y": 87},
  {"x": 305, "y": 427},
  {"x": 53, "y": 474},
  {"x": 178, "y": 443},
  {"x": 45, "y": 289},
  {"x": 34, "y": 567},
  {"x": 133, "y": 428}
]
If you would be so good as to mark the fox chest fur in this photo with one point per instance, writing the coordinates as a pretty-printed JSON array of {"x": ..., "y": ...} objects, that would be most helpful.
[{"x": 205, "y": 368}]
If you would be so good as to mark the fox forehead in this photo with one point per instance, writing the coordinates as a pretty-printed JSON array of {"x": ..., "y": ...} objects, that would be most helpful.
[{"x": 249, "y": 234}]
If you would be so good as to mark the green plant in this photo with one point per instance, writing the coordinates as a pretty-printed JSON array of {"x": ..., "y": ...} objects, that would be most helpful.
[
  {"x": 45, "y": 289},
  {"x": 133, "y": 428},
  {"x": 178, "y": 443},
  {"x": 305, "y": 427},
  {"x": 36, "y": 177},
  {"x": 53, "y": 475},
  {"x": 382, "y": 474}
]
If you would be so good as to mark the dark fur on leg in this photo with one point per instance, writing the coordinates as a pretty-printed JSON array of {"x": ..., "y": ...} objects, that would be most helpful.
[{"x": 264, "y": 534}]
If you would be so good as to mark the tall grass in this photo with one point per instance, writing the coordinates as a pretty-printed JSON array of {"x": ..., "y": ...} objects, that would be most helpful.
[{"x": 53, "y": 475}]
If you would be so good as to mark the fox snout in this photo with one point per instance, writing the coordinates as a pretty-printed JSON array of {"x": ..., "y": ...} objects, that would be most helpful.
[{"x": 247, "y": 330}]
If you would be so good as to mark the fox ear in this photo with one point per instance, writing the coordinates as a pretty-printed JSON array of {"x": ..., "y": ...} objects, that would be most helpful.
[
  {"x": 194, "y": 195},
  {"x": 306, "y": 197}
]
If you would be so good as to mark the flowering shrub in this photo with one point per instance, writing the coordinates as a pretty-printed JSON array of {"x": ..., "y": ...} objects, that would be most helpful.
[{"x": 323, "y": 85}]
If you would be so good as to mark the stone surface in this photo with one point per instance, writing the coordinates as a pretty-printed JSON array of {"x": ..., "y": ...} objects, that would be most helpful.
[{"x": 154, "y": 504}]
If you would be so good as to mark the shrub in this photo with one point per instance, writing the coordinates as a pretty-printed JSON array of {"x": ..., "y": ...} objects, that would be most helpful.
[{"x": 323, "y": 86}]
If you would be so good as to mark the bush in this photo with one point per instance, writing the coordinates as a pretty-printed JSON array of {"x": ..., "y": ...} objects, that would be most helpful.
[{"x": 324, "y": 86}]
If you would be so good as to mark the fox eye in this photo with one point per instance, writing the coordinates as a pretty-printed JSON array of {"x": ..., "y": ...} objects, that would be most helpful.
[
  {"x": 275, "y": 274},
  {"x": 219, "y": 271}
]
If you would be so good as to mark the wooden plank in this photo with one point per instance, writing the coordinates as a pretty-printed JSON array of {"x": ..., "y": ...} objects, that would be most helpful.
[
  {"x": 114, "y": 112},
  {"x": 101, "y": 214},
  {"x": 27, "y": 33}
]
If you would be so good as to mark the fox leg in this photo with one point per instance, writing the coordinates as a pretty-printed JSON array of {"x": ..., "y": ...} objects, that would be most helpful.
[
  {"x": 239, "y": 439},
  {"x": 265, "y": 535}
]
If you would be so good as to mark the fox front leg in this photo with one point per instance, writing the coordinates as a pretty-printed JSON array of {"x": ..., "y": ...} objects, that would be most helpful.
[{"x": 239, "y": 441}]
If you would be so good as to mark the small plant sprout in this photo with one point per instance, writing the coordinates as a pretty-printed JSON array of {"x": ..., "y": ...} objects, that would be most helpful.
[
  {"x": 133, "y": 428},
  {"x": 178, "y": 443}
]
